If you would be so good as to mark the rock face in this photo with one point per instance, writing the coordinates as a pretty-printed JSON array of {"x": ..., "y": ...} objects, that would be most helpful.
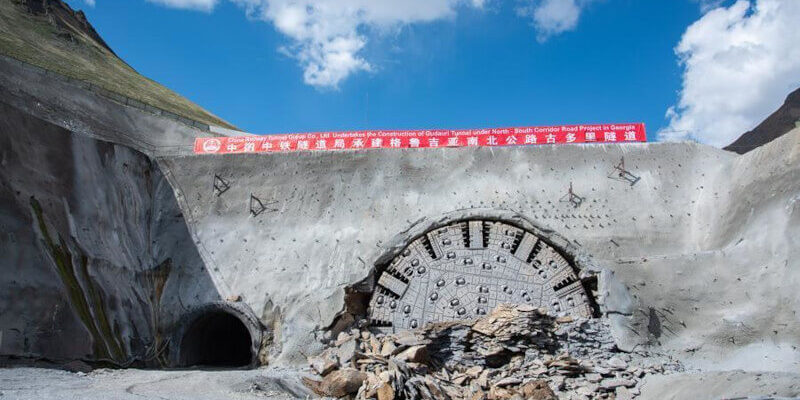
[
  {"x": 62, "y": 16},
  {"x": 96, "y": 248},
  {"x": 786, "y": 118}
]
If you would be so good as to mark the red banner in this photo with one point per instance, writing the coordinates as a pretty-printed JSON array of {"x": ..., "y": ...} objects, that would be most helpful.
[{"x": 359, "y": 140}]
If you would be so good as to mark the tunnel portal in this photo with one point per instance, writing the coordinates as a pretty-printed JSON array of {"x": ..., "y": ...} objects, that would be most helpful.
[
  {"x": 464, "y": 269},
  {"x": 216, "y": 339}
]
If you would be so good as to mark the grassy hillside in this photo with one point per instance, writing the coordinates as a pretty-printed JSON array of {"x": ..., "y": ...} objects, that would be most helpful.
[{"x": 49, "y": 34}]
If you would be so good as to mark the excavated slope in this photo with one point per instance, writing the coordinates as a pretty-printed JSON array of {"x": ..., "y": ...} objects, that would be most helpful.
[{"x": 699, "y": 256}]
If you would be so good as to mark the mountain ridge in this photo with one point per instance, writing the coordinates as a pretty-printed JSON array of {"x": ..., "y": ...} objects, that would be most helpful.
[
  {"x": 783, "y": 120},
  {"x": 51, "y": 35}
]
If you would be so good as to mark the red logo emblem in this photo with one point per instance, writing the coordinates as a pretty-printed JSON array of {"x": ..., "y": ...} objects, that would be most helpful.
[{"x": 212, "y": 145}]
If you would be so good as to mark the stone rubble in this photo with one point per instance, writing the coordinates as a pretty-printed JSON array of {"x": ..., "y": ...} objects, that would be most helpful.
[{"x": 515, "y": 352}]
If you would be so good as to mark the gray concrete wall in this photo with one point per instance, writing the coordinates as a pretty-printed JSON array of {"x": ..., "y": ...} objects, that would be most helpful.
[
  {"x": 698, "y": 258},
  {"x": 665, "y": 242},
  {"x": 730, "y": 300}
]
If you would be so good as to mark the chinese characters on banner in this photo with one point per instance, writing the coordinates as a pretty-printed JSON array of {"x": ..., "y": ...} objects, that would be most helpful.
[{"x": 358, "y": 140}]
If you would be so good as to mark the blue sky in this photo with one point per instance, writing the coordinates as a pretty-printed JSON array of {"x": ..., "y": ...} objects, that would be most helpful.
[{"x": 467, "y": 65}]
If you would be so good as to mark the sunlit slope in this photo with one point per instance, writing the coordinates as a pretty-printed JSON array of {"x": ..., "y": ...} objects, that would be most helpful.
[{"x": 51, "y": 35}]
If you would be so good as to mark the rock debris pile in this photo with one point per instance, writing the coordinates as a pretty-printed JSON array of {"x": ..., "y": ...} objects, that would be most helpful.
[{"x": 515, "y": 352}]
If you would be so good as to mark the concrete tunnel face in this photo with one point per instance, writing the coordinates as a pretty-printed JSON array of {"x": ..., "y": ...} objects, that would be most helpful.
[{"x": 464, "y": 269}]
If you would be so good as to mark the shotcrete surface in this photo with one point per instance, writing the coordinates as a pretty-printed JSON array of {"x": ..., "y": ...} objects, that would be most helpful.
[
  {"x": 699, "y": 256},
  {"x": 94, "y": 247},
  {"x": 722, "y": 385}
]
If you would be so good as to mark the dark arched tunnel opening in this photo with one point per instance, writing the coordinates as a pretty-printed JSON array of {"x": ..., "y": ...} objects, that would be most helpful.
[{"x": 216, "y": 339}]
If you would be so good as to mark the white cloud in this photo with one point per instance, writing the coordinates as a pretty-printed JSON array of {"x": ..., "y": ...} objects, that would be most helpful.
[
  {"x": 708, "y": 5},
  {"x": 202, "y": 5},
  {"x": 552, "y": 17},
  {"x": 739, "y": 64},
  {"x": 90, "y": 3},
  {"x": 328, "y": 35}
]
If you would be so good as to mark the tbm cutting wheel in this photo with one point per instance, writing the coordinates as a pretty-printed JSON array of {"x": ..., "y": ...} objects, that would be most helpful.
[{"x": 463, "y": 270}]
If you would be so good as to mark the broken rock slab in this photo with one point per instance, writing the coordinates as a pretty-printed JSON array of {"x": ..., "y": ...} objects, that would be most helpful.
[
  {"x": 324, "y": 363},
  {"x": 611, "y": 384},
  {"x": 514, "y": 352},
  {"x": 340, "y": 383}
]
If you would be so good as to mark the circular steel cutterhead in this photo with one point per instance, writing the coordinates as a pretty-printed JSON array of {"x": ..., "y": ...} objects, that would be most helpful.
[{"x": 474, "y": 266}]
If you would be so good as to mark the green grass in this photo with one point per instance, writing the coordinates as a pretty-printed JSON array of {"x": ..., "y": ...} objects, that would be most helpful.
[{"x": 34, "y": 40}]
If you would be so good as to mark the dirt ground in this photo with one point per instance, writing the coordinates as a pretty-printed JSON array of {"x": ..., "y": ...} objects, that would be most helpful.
[
  {"x": 105, "y": 384},
  {"x": 270, "y": 383}
]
